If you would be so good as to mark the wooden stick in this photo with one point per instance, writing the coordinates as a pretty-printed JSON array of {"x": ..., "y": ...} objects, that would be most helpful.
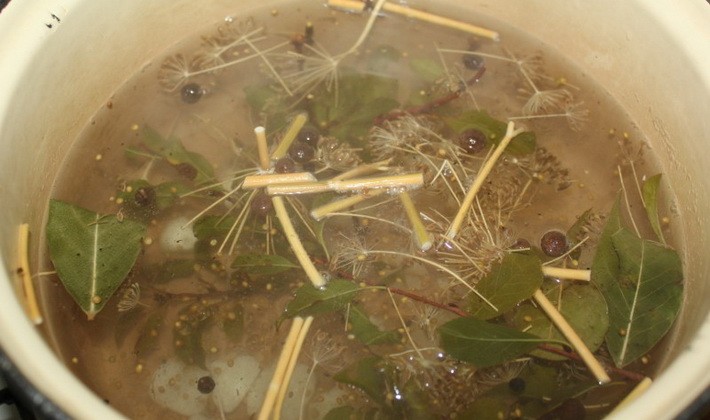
[
  {"x": 296, "y": 244},
  {"x": 421, "y": 235},
  {"x": 291, "y": 366},
  {"x": 359, "y": 184},
  {"x": 639, "y": 389},
  {"x": 322, "y": 211},
  {"x": 263, "y": 148},
  {"x": 288, "y": 138},
  {"x": 510, "y": 133},
  {"x": 258, "y": 181},
  {"x": 23, "y": 250},
  {"x": 281, "y": 365},
  {"x": 364, "y": 170},
  {"x": 563, "y": 326},
  {"x": 567, "y": 273},
  {"x": 359, "y": 7}
]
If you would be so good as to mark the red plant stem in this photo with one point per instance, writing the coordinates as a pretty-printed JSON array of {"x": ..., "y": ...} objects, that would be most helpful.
[
  {"x": 574, "y": 356},
  {"x": 460, "y": 312},
  {"x": 453, "y": 309},
  {"x": 430, "y": 106}
]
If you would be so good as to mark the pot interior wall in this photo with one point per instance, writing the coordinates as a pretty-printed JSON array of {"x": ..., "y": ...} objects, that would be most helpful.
[{"x": 61, "y": 82}]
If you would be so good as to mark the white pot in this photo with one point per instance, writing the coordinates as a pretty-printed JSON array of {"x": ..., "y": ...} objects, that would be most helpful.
[{"x": 653, "y": 56}]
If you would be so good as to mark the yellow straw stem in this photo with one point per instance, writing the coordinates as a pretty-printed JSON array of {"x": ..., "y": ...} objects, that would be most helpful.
[
  {"x": 322, "y": 211},
  {"x": 258, "y": 181},
  {"x": 567, "y": 273},
  {"x": 510, "y": 133},
  {"x": 263, "y": 148},
  {"x": 280, "y": 372},
  {"x": 288, "y": 138},
  {"x": 421, "y": 235},
  {"x": 563, "y": 326},
  {"x": 23, "y": 250},
  {"x": 296, "y": 351},
  {"x": 296, "y": 244},
  {"x": 360, "y": 184},
  {"x": 359, "y": 6},
  {"x": 364, "y": 170},
  {"x": 638, "y": 390}
]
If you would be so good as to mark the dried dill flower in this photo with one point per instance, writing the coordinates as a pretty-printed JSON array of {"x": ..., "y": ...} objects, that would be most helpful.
[
  {"x": 543, "y": 166},
  {"x": 337, "y": 155},
  {"x": 448, "y": 384},
  {"x": 130, "y": 299}
]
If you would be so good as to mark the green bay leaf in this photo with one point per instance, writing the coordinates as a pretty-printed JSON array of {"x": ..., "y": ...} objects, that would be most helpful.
[
  {"x": 360, "y": 98},
  {"x": 582, "y": 305},
  {"x": 427, "y": 69},
  {"x": 646, "y": 298},
  {"x": 484, "y": 344},
  {"x": 262, "y": 264},
  {"x": 366, "y": 332},
  {"x": 340, "y": 413},
  {"x": 173, "y": 151},
  {"x": 366, "y": 374},
  {"x": 91, "y": 253},
  {"x": 521, "y": 145},
  {"x": 641, "y": 283},
  {"x": 650, "y": 199},
  {"x": 515, "y": 279},
  {"x": 311, "y": 301}
]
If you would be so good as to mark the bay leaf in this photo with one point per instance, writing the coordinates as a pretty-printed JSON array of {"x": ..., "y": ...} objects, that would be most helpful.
[
  {"x": 521, "y": 145},
  {"x": 427, "y": 69},
  {"x": 650, "y": 199},
  {"x": 584, "y": 308},
  {"x": 262, "y": 264},
  {"x": 143, "y": 201},
  {"x": 187, "y": 335},
  {"x": 233, "y": 321},
  {"x": 311, "y": 301},
  {"x": 368, "y": 375},
  {"x": 340, "y": 413},
  {"x": 173, "y": 151},
  {"x": 270, "y": 108},
  {"x": 605, "y": 266},
  {"x": 151, "y": 334},
  {"x": 510, "y": 282},
  {"x": 361, "y": 98},
  {"x": 91, "y": 253},
  {"x": 487, "y": 407},
  {"x": 366, "y": 332},
  {"x": 212, "y": 227},
  {"x": 576, "y": 233},
  {"x": 643, "y": 298},
  {"x": 484, "y": 344},
  {"x": 646, "y": 297},
  {"x": 126, "y": 323},
  {"x": 168, "y": 270}
]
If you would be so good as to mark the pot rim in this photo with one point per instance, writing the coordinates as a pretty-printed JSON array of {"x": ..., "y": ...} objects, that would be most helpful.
[{"x": 24, "y": 346}]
